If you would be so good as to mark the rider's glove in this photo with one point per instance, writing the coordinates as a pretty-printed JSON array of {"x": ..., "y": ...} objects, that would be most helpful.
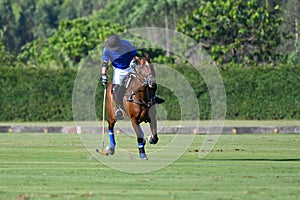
[{"x": 104, "y": 79}]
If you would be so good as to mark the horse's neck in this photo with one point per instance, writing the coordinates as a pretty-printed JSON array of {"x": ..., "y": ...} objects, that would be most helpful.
[{"x": 139, "y": 89}]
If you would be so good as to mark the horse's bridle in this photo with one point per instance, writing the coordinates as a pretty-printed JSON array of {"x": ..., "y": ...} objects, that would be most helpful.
[
  {"x": 143, "y": 79},
  {"x": 145, "y": 83}
]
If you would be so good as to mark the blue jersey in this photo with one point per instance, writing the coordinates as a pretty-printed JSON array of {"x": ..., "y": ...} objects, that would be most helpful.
[{"x": 121, "y": 57}]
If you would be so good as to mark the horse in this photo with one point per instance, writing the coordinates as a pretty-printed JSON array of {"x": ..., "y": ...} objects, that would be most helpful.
[{"x": 138, "y": 104}]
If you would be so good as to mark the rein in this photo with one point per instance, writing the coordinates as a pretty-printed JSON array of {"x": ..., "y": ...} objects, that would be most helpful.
[{"x": 134, "y": 91}]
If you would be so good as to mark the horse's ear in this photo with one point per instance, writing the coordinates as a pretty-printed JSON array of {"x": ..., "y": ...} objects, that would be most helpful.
[
  {"x": 148, "y": 57},
  {"x": 136, "y": 58}
]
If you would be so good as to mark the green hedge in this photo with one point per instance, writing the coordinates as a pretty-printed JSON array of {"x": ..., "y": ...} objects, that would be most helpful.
[
  {"x": 37, "y": 94},
  {"x": 262, "y": 93}
]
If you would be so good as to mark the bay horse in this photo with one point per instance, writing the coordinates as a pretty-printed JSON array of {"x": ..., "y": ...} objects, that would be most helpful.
[{"x": 138, "y": 104}]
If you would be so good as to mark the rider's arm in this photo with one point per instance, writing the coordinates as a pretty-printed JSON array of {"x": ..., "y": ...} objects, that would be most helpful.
[
  {"x": 104, "y": 66},
  {"x": 105, "y": 60}
]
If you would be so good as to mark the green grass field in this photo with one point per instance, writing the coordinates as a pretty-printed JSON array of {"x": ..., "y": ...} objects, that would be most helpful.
[
  {"x": 57, "y": 166},
  {"x": 170, "y": 123}
]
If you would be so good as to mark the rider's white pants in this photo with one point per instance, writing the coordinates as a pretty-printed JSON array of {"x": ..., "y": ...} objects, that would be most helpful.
[{"x": 120, "y": 74}]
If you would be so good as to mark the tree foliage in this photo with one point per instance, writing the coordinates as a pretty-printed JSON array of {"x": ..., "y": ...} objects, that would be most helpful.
[
  {"x": 25, "y": 28},
  {"x": 291, "y": 28},
  {"x": 238, "y": 31},
  {"x": 26, "y": 20},
  {"x": 142, "y": 13},
  {"x": 7, "y": 24},
  {"x": 245, "y": 32},
  {"x": 71, "y": 42},
  {"x": 6, "y": 58}
]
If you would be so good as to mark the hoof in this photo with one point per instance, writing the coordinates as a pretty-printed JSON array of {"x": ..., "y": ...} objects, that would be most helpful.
[
  {"x": 110, "y": 151},
  {"x": 153, "y": 140},
  {"x": 143, "y": 156}
]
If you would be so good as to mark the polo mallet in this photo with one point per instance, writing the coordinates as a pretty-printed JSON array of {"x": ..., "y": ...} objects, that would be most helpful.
[{"x": 103, "y": 120}]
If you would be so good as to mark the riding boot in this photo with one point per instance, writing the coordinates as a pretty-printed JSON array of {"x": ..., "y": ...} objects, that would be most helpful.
[
  {"x": 158, "y": 100},
  {"x": 118, "y": 97}
]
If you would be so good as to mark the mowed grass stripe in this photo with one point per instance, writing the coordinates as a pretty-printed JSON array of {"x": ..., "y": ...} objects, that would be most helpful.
[{"x": 57, "y": 166}]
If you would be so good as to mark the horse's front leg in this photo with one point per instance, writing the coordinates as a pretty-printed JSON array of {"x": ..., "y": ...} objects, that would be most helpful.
[
  {"x": 153, "y": 138},
  {"x": 110, "y": 106},
  {"x": 112, "y": 143},
  {"x": 140, "y": 139}
]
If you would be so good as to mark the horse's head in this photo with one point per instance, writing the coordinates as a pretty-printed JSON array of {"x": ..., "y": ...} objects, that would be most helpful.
[{"x": 145, "y": 71}]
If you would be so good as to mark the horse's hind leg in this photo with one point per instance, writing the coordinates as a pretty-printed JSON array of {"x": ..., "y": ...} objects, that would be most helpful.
[{"x": 140, "y": 140}]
